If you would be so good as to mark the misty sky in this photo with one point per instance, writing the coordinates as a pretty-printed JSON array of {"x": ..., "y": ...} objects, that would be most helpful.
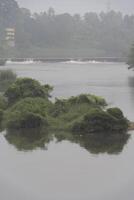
[{"x": 78, "y": 6}]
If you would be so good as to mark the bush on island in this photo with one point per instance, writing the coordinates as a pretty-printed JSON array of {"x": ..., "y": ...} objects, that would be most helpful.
[
  {"x": 27, "y": 113},
  {"x": 1, "y": 115},
  {"x": 63, "y": 106},
  {"x": 3, "y": 103},
  {"x": 29, "y": 107},
  {"x": 97, "y": 121},
  {"x": 115, "y": 112},
  {"x": 89, "y": 99},
  {"x": 26, "y": 87}
]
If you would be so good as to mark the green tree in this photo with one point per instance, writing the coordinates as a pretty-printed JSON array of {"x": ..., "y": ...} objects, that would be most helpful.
[{"x": 26, "y": 87}]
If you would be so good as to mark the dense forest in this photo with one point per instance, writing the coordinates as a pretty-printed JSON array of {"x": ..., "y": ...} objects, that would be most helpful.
[{"x": 48, "y": 34}]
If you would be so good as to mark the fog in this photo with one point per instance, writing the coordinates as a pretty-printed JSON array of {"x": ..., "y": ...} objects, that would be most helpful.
[{"x": 78, "y": 6}]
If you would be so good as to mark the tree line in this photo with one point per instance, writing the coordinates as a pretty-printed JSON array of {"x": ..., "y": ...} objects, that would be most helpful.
[{"x": 47, "y": 34}]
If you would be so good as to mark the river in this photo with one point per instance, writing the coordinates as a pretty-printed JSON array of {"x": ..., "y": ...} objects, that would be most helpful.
[{"x": 66, "y": 170}]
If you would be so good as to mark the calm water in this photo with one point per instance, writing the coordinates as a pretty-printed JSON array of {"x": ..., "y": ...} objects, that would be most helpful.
[{"x": 76, "y": 170}]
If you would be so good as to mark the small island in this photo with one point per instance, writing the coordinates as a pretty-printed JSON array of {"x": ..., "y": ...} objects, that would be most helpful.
[{"x": 27, "y": 104}]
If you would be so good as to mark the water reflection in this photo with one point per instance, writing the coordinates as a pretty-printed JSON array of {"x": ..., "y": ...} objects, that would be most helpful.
[
  {"x": 131, "y": 81},
  {"x": 28, "y": 139},
  {"x": 103, "y": 144},
  {"x": 131, "y": 89},
  {"x": 32, "y": 139}
]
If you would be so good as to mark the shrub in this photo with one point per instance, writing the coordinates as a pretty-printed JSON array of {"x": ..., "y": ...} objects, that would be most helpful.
[
  {"x": 97, "y": 121},
  {"x": 77, "y": 105},
  {"x": 88, "y": 99},
  {"x": 1, "y": 115},
  {"x": 3, "y": 103},
  {"x": 59, "y": 107},
  {"x": 27, "y": 113},
  {"x": 26, "y": 87},
  {"x": 115, "y": 112}
]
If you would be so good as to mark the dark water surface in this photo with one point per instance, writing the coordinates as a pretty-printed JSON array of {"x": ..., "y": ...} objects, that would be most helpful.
[{"x": 72, "y": 170}]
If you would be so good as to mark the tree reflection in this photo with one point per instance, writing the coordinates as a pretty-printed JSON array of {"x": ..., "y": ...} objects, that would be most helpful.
[
  {"x": 111, "y": 144},
  {"x": 100, "y": 143},
  {"x": 28, "y": 139},
  {"x": 32, "y": 139}
]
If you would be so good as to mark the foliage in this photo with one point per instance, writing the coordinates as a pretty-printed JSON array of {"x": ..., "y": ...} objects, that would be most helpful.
[
  {"x": 83, "y": 100},
  {"x": 63, "y": 35},
  {"x": 99, "y": 121},
  {"x": 89, "y": 99},
  {"x": 115, "y": 112},
  {"x": 27, "y": 113},
  {"x": 3, "y": 103},
  {"x": 26, "y": 87},
  {"x": 85, "y": 114},
  {"x": 30, "y": 107},
  {"x": 1, "y": 115}
]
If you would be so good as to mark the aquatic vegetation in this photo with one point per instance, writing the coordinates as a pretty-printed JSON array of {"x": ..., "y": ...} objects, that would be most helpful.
[
  {"x": 27, "y": 113},
  {"x": 26, "y": 87},
  {"x": 3, "y": 103},
  {"x": 29, "y": 107},
  {"x": 82, "y": 119},
  {"x": 1, "y": 115},
  {"x": 115, "y": 112},
  {"x": 98, "y": 120}
]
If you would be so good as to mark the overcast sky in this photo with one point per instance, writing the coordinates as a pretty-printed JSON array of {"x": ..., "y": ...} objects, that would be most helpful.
[{"x": 78, "y": 6}]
